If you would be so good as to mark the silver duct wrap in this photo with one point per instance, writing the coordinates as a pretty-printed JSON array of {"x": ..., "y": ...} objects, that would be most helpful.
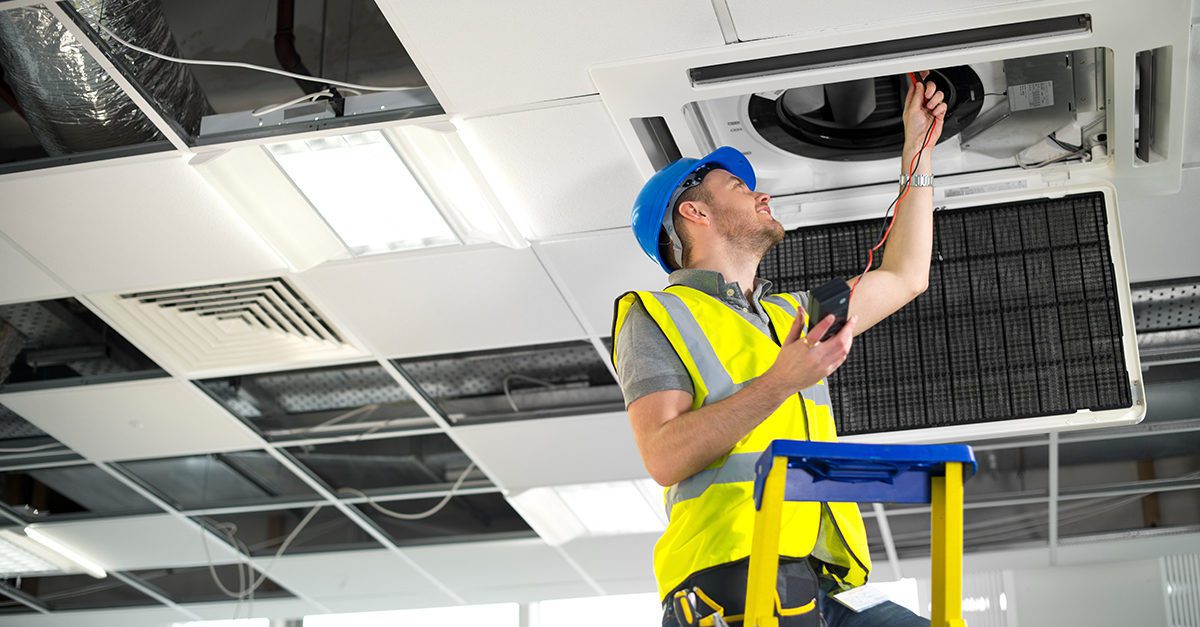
[{"x": 69, "y": 101}]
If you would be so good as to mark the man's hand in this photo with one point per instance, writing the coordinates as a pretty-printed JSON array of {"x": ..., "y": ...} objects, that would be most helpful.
[
  {"x": 802, "y": 364},
  {"x": 922, "y": 106},
  {"x": 676, "y": 441}
]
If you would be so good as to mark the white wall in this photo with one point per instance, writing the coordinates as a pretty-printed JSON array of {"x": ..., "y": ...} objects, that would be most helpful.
[{"x": 1116, "y": 594}]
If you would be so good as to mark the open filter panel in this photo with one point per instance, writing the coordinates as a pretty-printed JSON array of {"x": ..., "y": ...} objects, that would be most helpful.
[
  {"x": 61, "y": 341},
  {"x": 219, "y": 480},
  {"x": 462, "y": 519},
  {"x": 22, "y": 444},
  {"x": 70, "y": 592},
  {"x": 199, "y": 584},
  {"x": 69, "y": 492},
  {"x": 1020, "y": 318},
  {"x": 57, "y": 104},
  {"x": 420, "y": 463},
  {"x": 346, "y": 400},
  {"x": 261, "y": 534},
  {"x": 517, "y": 383}
]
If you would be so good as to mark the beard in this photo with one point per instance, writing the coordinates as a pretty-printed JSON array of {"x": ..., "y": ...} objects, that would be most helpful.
[{"x": 753, "y": 237}]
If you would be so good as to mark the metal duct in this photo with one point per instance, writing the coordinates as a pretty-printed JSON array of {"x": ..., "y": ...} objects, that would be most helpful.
[{"x": 71, "y": 104}]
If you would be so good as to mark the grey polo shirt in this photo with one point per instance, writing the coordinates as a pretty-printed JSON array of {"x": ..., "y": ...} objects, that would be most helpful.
[{"x": 647, "y": 363}]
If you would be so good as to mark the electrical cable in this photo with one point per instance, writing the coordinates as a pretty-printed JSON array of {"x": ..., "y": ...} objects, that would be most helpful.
[
  {"x": 249, "y": 66},
  {"x": 313, "y": 97},
  {"x": 346, "y": 415},
  {"x": 912, "y": 166},
  {"x": 1064, "y": 145},
  {"x": 1042, "y": 164},
  {"x": 420, "y": 515},
  {"x": 508, "y": 391},
  {"x": 244, "y": 590}
]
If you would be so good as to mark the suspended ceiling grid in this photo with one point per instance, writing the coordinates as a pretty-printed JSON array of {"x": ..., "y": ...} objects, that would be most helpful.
[{"x": 546, "y": 145}]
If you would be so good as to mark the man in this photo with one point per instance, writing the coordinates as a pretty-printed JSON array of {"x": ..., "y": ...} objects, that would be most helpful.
[{"x": 716, "y": 367}]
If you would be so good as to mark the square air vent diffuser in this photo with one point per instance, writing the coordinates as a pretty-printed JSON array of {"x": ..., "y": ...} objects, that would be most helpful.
[{"x": 211, "y": 329}]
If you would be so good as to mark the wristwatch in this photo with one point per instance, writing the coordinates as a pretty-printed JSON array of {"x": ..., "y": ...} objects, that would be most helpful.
[{"x": 918, "y": 180}]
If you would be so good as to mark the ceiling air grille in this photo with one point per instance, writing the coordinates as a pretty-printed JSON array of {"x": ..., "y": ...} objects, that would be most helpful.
[
  {"x": 1020, "y": 318},
  {"x": 235, "y": 325}
]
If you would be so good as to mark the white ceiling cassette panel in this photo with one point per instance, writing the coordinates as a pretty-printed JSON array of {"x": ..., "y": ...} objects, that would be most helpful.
[
  {"x": 1056, "y": 109},
  {"x": 821, "y": 111}
]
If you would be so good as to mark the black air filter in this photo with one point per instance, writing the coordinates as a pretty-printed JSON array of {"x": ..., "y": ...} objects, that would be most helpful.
[{"x": 1020, "y": 318}]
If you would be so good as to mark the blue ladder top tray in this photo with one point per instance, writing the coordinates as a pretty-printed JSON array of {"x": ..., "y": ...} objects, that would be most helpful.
[{"x": 863, "y": 473}]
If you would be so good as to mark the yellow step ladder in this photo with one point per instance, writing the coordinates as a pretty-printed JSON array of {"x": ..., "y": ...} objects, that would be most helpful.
[{"x": 800, "y": 470}]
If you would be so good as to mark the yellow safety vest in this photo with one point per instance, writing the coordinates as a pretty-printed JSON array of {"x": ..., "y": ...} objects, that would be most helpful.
[{"x": 711, "y": 513}]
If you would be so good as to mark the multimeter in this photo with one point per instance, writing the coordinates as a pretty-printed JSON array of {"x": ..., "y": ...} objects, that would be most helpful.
[{"x": 832, "y": 298}]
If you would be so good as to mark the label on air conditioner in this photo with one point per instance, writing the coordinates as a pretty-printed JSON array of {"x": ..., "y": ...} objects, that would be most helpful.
[
  {"x": 1031, "y": 96},
  {"x": 985, "y": 188}
]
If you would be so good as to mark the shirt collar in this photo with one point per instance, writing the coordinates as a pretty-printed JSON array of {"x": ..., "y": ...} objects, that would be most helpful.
[{"x": 713, "y": 283}]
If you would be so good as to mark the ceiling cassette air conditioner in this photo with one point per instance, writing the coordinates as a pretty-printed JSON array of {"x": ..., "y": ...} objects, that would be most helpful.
[{"x": 1047, "y": 100}]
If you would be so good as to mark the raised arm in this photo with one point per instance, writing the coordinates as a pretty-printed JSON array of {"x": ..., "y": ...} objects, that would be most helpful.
[{"x": 903, "y": 272}]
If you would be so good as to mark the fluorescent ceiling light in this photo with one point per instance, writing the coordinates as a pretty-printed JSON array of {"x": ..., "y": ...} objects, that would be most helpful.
[
  {"x": 87, "y": 564},
  {"x": 549, "y": 516},
  {"x": 19, "y": 556},
  {"x": 364, "y": 191},
  {"x": 562, "y": 513}
]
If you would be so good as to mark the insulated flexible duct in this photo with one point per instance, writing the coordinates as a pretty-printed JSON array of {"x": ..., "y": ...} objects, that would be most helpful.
[{"x": 71, "y": 104}]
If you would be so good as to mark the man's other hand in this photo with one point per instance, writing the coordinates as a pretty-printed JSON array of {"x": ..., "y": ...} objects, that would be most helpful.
[{"x": 803, "y": 362}]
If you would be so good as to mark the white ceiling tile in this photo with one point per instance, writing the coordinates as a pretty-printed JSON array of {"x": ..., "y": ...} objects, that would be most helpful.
[
  {"x": 378, "y": 576},
  {"x": 269, "y": 608},
  {"x": 594, "y": 286},
  {"x": 141, "y": 542},
  {"x": 443, "y": 302},
  {"x": 488, "y": 572},
  {"x": 556, "y": 451},
  {"x": 624, "y": 561},
  {"x": 22, "y": 280},
  {"x": 131, "y": 223},
  {"x": 761, "y": 19},
  {"x": 556, "y": 170},
  {"x": 484, "y": 55},
  {"x": 139, "y": 419}
]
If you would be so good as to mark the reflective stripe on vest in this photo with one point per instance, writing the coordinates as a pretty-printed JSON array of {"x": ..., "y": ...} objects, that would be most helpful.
[{"x": 711, "y": 514}]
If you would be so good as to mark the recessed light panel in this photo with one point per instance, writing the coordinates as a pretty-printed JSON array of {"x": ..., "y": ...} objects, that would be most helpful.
[{"x": 364, "y": 191}]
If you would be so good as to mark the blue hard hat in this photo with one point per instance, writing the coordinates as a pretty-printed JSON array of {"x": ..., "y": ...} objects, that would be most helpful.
[{"x": 653, "y": 202}]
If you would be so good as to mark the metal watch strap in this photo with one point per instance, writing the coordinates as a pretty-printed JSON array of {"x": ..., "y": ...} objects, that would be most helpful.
[{"x": 918, "y": 180}]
